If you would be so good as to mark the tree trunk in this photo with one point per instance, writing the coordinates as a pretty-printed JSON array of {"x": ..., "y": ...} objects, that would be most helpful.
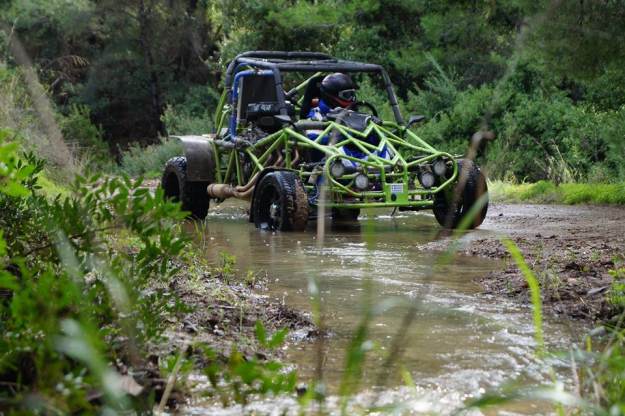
[{"x": 155, "y": 90}]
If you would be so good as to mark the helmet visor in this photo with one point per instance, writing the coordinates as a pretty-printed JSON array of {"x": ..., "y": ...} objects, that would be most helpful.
[{"x": 347, "y": 95}]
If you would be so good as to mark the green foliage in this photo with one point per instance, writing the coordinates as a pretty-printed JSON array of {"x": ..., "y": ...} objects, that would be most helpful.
[
  {"x": 580, "y": 39},
  {"x": 14, "y": 174},
  {"x": 541, "y": 133},
  {"x": 242, "y": 377},
  {"x": 84, "y": 138},
  {"x": 600, "y": 372},
  {"x": 148, "y": 68},
  {"x": 617, "y": 289},
  {"x": 566, "y": 193},
  {"x": 184, "y": 120},
  {"x": 276, "y": 340},
  {"x": 72, "y": 301},
  {"x": 149, "y": 161},
  {"x": 227, "y": 265}
]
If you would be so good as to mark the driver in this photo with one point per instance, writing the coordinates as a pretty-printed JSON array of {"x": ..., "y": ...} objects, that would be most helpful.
[{"x": 337, "y": 90}]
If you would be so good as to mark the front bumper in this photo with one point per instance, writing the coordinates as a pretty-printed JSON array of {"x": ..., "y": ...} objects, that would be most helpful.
[{"x": 390, "y": 185}]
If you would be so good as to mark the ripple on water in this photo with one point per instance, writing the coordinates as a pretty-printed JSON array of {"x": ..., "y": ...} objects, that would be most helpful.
[{"x": 460, "y": 344}]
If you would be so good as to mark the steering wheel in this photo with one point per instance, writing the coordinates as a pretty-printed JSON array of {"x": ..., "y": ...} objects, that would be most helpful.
[{"x": 354, "y": 107}]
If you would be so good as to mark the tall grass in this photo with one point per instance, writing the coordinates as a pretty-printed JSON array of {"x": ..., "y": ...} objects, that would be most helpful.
[{"x": 565, "y": 193}]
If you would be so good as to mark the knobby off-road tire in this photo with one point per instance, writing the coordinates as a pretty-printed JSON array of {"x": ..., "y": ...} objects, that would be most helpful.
[
  {"x": 451, "y": 207},
  {"x": 280, "y": 202},
  {"x": 345, "y": 214},
  {"x": 193, "y": 195}
]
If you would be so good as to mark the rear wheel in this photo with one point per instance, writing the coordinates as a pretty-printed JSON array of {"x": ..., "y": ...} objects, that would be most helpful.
[
  {"x": 345, "y": 214},
  {"x": 192, "y": 195},
  {"x": 280, "y": 202},
  {"x": 451, "y": 207}
]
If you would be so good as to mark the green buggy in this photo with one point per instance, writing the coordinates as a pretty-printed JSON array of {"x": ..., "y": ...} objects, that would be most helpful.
[{"x": 263, "y": 151}]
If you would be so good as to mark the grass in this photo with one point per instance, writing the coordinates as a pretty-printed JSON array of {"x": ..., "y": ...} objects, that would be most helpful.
[{"x": 547, "y": 192}]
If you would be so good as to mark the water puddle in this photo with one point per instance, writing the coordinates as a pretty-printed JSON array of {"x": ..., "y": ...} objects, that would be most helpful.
[{"x": 460, "y": 344}]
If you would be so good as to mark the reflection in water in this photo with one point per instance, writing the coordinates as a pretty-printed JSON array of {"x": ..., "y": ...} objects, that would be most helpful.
[{"x": 460, "y": 343}]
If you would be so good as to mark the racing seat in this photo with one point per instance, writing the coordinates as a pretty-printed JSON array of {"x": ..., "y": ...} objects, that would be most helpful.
[{"x": 258, "y": 103}]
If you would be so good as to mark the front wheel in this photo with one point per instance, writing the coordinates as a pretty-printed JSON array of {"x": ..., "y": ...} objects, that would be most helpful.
[
  {"x": 192, "y": 195},
  {"x": 453, "y": 206},
  {"x": 280, "y": 202}
]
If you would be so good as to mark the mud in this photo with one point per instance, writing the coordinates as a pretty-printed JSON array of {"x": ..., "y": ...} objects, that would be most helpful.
[
  {"x": 570, "y": 248},
  {"x": 222, "y": 311},
  {"x": 223, "y": 308}
]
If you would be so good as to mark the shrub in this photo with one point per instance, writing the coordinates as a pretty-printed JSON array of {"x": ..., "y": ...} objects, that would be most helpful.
[
  {"x": 149, "y": 161},
  {"x": 179, "y": 121},
  {"x": 451, "y": 130},
  {"x": 192, "y": 112},
  {"x": 73, "y": 305},
  {"x": 84, "y": 138}
]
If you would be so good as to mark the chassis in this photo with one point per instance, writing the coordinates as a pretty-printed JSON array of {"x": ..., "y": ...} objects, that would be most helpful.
[{"x": 263, "y": 151}]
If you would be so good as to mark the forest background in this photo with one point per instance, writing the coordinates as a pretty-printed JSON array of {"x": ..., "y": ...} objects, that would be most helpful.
[{"x": 547, "y": 77}]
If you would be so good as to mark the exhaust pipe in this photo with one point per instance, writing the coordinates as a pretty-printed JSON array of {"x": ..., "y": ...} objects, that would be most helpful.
[{"x": 225, "y": 191}]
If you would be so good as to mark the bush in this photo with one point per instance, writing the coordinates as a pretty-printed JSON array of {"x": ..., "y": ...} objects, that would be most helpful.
[
  {"x": 192, "y": 112},
  {"x": 451, "y": 130},
  {"x": 85, "y": 138},
  {"x": 541, "y": 133},
  {"x": 149, "y": 161},
  {"x": 73, "y": 305}
]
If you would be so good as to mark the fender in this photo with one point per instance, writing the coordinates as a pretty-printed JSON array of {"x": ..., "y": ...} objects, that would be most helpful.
[
  {"x": 263, "y": 173},
  {"x": 200, "y": 158}
]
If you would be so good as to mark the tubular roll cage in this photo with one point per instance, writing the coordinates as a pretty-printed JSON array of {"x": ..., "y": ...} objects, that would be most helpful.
[
  {"x": 278, "y": 62},
  {"x": 392, "y": 137}
]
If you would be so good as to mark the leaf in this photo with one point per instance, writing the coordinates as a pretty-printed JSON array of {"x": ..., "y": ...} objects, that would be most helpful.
[
  {"x": 278, "y": 338},
  {"x": 261, "y": 334},
  {"x": 14, "y": 189}
]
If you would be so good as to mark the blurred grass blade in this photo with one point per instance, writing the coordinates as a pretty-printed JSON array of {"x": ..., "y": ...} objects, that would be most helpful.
[
  {"x": 78, "y": 344},
  {"x": 534, "y": 287}
]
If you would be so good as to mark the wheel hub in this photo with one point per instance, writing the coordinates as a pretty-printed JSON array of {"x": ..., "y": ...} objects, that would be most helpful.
[{"x": 274, "y": 211}]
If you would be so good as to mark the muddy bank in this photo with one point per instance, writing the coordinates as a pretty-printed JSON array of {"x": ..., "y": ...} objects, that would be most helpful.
[
  {"x": 570, "y": 248},
  {"x": 223, "y": 310}
]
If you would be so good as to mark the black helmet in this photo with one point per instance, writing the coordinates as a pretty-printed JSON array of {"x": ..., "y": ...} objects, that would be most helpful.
[{"x": 338, "y": 90}]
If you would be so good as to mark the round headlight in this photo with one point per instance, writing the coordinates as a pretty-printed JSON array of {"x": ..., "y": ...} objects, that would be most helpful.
[
  {"x": 361, "y": 182},
  {"x": 439, "y": 167},
  {"x": 337, "y": 169},
  {"x": 427, "y": 179}
]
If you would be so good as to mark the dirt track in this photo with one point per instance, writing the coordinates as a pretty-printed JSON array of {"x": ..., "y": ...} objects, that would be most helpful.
[{"x": 571, "y": 249}]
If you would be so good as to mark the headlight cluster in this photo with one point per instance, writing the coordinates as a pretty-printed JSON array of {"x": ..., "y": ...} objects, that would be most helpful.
[
  {"x": 427, "y": 179},
  {"x": 361, "y": 182},
  {"x": 439, "y": 167},
  {"x": 338, "y": 170},
  {"x": 427, "y": 176}
]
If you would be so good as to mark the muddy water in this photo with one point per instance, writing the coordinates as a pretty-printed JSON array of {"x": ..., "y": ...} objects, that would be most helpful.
[{"x": 460, "y": 344}]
